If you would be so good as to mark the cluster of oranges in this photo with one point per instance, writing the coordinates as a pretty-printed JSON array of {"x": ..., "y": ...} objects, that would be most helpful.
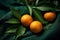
[{"x": 36, "y": 26}]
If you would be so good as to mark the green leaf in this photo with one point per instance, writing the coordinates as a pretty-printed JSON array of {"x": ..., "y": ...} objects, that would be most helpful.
[
  {"x": 36, "y": 2},
  {"x": 12, "y": 38},
  {"x": 55, "y": 3},
  {"x": 4, "y": 36},
  {"x": 30, "y": 10},
  {"x": 6, "y": 16},
  {"x": 47, "y": 26},
  {"x": 9, "y": 36},
  {"x": 10, "y": 30},
  {"x": 44, "y": 8},
  {"x": 12, "y": 21},
  {"x": 3, "y": 13},
  {"x": 20, "y": 31},
  {"x": 37, "y": 14},
  {"x": 29, "y": 7},
  {"x": 21, "y": 1},
  {"x": 15, "y": 12},
  {"x": 23, "y": 9}
]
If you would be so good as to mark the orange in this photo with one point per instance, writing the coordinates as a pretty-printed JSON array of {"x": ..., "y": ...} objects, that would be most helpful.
[
  {"x": 49, "y": 16},
  {"x": 26, "y": 20},
  {"x": 36, "y": 26}
]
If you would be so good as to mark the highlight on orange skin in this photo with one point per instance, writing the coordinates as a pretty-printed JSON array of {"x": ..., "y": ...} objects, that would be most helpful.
[
  {"x": 49, "y": 16},
  {"x": 26, "y": 20},
  {"x": 36, "y": 27}
]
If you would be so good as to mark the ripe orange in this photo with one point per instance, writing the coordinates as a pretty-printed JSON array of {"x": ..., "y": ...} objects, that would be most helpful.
[
  {"x": 36, "y": 27},
  {"x": 26, "y": 20},
  {"x": 50, "y": 16}
]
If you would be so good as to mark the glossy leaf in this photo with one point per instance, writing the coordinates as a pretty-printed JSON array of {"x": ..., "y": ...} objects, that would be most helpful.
[
  {"x": 55, "y": 3},
  {"x": 23, "y": 9},
  {"x": 20, "y": 31},
  {"x": 12, "y": 38},
  {"x": 38, "y": 16},
  {"x": 11, "y": 30},
  {"x": 29, "y": 7},
  {"x": 36, "y": 2},
  {"x": 15, "y": 12},
  {"x": 12, "y": 21},
  {"x": 5, "y": 16},
  {"x": 48, "y": 26},
  {"x": 2, "y": 13},
  {"x": 44, "y": 8},
  {"x": 30, "y": 10}
]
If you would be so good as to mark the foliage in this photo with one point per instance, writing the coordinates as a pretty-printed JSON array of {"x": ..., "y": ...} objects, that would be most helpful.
[{"x": 10, "y": 26}]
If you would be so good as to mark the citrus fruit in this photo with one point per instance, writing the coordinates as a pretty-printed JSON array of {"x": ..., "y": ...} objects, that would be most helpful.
[
  {"x": 49, "y": 16},
  {"x": 26, "y": 20},
  {"x": 36, "y": 26}
]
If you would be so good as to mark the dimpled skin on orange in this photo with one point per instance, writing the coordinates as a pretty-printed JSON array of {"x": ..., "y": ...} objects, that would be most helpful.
[
  {"x": 26, "y": 20},
  {"x": 49, "y": 16},
  {"x": 36, "y": 26}
]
